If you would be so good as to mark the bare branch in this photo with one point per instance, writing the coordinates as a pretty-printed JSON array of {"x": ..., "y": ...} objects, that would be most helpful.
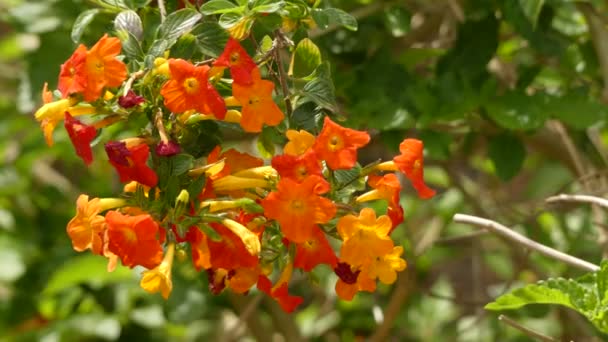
[
  {"x": 602, "y": 202},
  {"x": 511, "y": 235},
  {"x": 525, "y": 330}
]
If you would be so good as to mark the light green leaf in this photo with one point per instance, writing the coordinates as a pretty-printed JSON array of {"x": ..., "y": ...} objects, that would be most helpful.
[
  {"x": 211, "y": 38},
  {"x": 178, "y": 23},
  {"x": 531, "y": 9},
  {"x": 333, "y": 16},
  {"x": 88, "y": 269},
  {"x": 267, "y": 6},
  {"x": 320, "y": 89},
  {"x": 265, "y": 144},
  {"x": 81, "y": 23},
  {"x": 305, "y": 59},
  {"x": 507, "y": 154},
  {"x": 219, "y": 7},
  {"x": 576, "y": 108},
  {"x": 553, "y": 291},
  {"x": 131, "y": 22}
]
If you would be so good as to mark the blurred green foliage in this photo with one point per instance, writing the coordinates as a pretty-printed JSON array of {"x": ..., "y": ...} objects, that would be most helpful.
[{"x": 509, "y": 97}]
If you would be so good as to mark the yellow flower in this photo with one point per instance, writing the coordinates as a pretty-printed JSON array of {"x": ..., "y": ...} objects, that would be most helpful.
[
  {"x": 299, "y": 142},
  {"x": 251, "y": 241},
  {"x": 386, "y": 267},
  {"x": 50, "y": 114},
  {"x": 158, "y": 279},
  {"x": 365, "y": 237}
]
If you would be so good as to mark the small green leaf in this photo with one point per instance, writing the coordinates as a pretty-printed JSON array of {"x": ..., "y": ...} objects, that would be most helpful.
[
  {"x": 210, "y": 232},
  {"x": 346, "y": 177},
  {"x": 178, "y": 23},
  {"x": 81, "y": 23},
  {"x": 517, "y": 111},
  {"x": 507, "y": 154},
  {"x": 180, "y": 164},
  {"x": 219, "y": 7},
  {"x": 305, "y": 59},
  {"x": 321, "y": 89},
  {"x": 265, "y": 143},
  {"x": 576, "y": 108},
  {"x": 333, "y": 16},
  {"x": 88, "y": 269},
  {"x": 531, "y": 9},
  {"x": 211, "y": 38},
  {"x": 553, "y": 291},
  {"x": 129, "y": 21},
  {"x": 267, "y": 6}
]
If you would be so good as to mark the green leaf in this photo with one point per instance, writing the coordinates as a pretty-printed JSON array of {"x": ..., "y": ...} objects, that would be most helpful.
[
  {"x": 507, "y": 154},
  {"x": 333, "y": 16},
  {"x": 211, "y": 38},
  {"x": 265, "y": 142},
  {"x": 321, "y": 88},
  {"x": 305, "y": 59},
  {"x": 517, "y": 111},
  {"x": 219, "y": 7},
  {"x": 87, "y": 269},
  {"x": 130, "y": 22},
  {"x": 345, "y": 177},
  {"x": 200, "y": 138},
  {"x": 532, "y": 9},
  {"x": 553, "y": 291},
  {"x": 267, "y": 6},
  {"x": 576, "y": 108},
  {"x": 81, "y": 23},
  {"x": 178, "y": 23},
  {"x": 180, "y": 164}
]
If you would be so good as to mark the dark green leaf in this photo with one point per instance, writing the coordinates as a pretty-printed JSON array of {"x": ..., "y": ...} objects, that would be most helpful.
[
  {"x": 130, "y": 45},
  {"x": 532, "y": 9},
  {"x": 219, "y": 7},
  {"x": 178, "y": 23},
  {"x": 346, "y": 177},
  {"x": 210, "y": 232},
  {"x": 321, "y": 88},
  {"x": 265, "y": 144},
  {"x": 180, "y": 164},
  {"x": 200, "y": 138},
  {"x": 507, "y": 154},
  {"x": 129, "y": 21},
  {"x": 81, "y": 23},
  {"x": 333, "y": 16},
  {"x": 517, "y": 111},
  {"x": 185, "y": 47},
  {"x": 211, "y": 38},
  {"x": 576, "y": 108}
]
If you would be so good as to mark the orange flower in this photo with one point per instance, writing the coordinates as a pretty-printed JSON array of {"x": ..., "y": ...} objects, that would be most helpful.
[
  {"x": 411, "y": 163},
  {"x": 350, "y": 282},
  {"x": 314, "y": 251},
  {"x": 189, "y": 89},
  {"x": 235, "y": 161},
  {"x": 86, "y": 229},
  {"x": 386, "y": 187},
  {"x": 279, "y": 291},
  {"x": 51, "y": 113},
  {"x": 365, "y": 237},
  {"x": 386, "y": 267},
  {"x": 73, "y": 77},
  {"x": 258, "y": 106},
  {"x": 243, "y": 279},
  {"x": 299, "y": 142},
  {"x": 102, "y": 67},
  {"x": 297, "y": 167},
  {"x": 81, "y": 136},
  {"x": 229, "y": 253},
  {"x": 158, "y": 279},
  {"x": 200, "y": 249},
  {"x": 134, "y": 239},
  {"x": 240, "y": 63},
  {"x": 298, "y": 207},
  {"x": 130, "y": 162},
  {"x": 338, "y": 145}
]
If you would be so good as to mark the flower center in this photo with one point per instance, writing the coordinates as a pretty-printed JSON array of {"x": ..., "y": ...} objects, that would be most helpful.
[
  {"x": 253, "y": 100},
  {"x": 191, "y": 85},
  {"x": 335, "y": 143},
  {"x": 234, "y": 57}
]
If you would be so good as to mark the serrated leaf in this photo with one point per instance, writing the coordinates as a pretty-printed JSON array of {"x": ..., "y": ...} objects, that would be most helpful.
[
  {"x": 555, "y": 291},
  {"x": 130, "y": 22},
  {"x": 320, "y": 89},
  {"x": 211, "y": 38},
  {"x": 531, "y": 9},
  {"x": 305, "y": 59},
  {"x": 178, "y": 23},
  {"x": 507, "y": 154},
  {"x": 87, "y": 269},
  {"x": 220, "y": 7},
  {"x": 81, "y": 23},
  {"x": 346, "y": 177},
  {"x": 130, "y": 45},
  {"x": 333, "y": 16}
]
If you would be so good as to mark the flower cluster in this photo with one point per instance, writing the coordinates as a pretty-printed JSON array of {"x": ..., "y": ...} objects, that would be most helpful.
[{"x": 247, "y": 222}]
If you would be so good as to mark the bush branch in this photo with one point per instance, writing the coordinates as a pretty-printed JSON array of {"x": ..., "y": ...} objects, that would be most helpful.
[
  {"x": 513, "y": 236},
  {"x": 525, "y": 330},
  {"x": 601, "y": 202}
]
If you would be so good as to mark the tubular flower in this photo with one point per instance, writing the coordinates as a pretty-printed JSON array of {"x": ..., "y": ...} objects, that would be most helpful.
[
  {"x": 73, "y": 77},
  {"x": 86, "y": 228},
  {"x": 386, "y": 267},
  {"x": 130, "y": 100},
  {"x": 365, "y": 237},
  {"x": 81, "y": 136},
  {"x": 134, "y": 239},
  {"x": 102, "y": 67},
  {"x": 234, "y": 161},
  {"x": 338, "y": 145},
  {"x": 280, "y": 290},
  {"x": 243, "y": 279},
  {"x": 411, "y": 163},
  {"x": 297, "y": 167},
  {"x": 240, "y": 63},
  {"x": 313, "y": 252},
  {"x": 189, "y": 89},
  {"x": 386, "y": 187},
  {"x": 249, "y": 239},
  {"x": 158, "y": 279},
  {"x": 130, "y": 163},
  {"x": 350, "y": 282},
  {"x": 299, "y": 142},
  {"x": 298, "y": 207},
  {"x": 258, "y": 106},
  {"x": 200, "y": 250},
  {"x": 229, "y": 253},
  {"x": 52, "y": 113}
]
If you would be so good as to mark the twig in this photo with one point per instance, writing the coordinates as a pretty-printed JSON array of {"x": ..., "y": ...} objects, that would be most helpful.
[
  {"x": 129, "y": 82},
  {"x": 511, "y": 235},
  {"x": 525, "y": 330},
  {"x": 162, "y": 9},
  {"x": 602, "y": 202},
  {"x": 282, "y": 76}
]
